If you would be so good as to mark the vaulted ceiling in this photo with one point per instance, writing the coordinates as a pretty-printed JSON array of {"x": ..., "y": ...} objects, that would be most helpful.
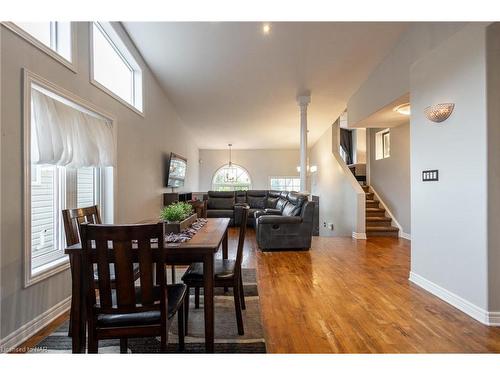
[{"x": 232, "y": 83}]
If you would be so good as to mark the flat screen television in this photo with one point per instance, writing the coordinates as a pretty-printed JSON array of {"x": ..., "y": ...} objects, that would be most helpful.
[{"x": 176, "y": 171}]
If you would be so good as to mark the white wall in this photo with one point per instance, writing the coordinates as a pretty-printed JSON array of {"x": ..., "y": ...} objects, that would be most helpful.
[
  {"x": 449, "y": 217},
  {"x": 390, "y": 177},
  {"x": 359, "y": 144},
  {"x": 342, "y": 201},
  {"x": 260, "y": 164},
  {"x": 390, "y": 80},
  {"x": 142, "y": 142}
]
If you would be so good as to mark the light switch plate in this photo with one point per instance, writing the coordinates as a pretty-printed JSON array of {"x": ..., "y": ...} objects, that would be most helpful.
[{"x": 430, "y": 175}]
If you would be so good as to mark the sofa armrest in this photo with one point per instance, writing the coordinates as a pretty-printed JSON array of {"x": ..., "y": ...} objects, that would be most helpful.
[{"x": 276, "y": 219}]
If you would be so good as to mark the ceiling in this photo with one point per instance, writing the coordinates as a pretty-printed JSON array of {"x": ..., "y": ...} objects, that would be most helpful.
[
  {"x": 386, "y": 117},
  {"x": 231, "y": 83}
]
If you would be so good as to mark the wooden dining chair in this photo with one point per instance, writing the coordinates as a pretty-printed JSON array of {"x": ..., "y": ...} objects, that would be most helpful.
[
  {"x": 72, "y": 219},
  {"x": 227, "y": 274},
  {"x": 130, "y": 310}
]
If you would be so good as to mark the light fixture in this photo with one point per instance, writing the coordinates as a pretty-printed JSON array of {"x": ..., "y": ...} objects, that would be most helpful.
[
  {"x": 230, "y": 175},
  {"x": 266, "y": 28},
  {"x": 403, "y": 109},
  {"x": 439, "y": 112}
]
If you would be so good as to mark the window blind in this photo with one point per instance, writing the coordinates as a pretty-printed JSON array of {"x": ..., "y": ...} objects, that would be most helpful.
[{"x": 66, "y": 136}]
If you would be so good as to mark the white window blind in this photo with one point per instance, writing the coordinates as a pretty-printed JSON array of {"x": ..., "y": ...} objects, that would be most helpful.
[{"x": 66, "y": 136}]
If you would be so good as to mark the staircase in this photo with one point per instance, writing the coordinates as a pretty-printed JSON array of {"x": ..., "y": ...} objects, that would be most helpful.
[{"x": 377, "y": 224}]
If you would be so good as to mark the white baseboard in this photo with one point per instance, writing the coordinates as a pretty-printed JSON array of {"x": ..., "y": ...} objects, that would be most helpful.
[
  {"x": 24, "y": 332},
  {"x": 490, "y": 318},
  {"x": 359, "y": 236},
  {"x": 404, "y": 235}
]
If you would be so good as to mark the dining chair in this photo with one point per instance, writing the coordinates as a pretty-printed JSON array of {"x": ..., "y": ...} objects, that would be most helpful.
[
  {"x": 72, "y": 219},
  {"x": 130, "y": 310},
  {"x": 227, "y": 273}
]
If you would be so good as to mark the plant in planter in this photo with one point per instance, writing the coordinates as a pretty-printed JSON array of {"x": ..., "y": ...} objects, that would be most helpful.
[
  {"x": 176, "y": 212},
  {"x": 177, "y": 217}
]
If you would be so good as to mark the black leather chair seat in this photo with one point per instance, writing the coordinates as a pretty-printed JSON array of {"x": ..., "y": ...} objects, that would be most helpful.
[
  {"x": 175, "y": 295},
  {"x": 223, "y": 269}
]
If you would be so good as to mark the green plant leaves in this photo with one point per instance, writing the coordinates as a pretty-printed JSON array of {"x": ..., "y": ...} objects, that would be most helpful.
[{"x": 176, "y": 212}]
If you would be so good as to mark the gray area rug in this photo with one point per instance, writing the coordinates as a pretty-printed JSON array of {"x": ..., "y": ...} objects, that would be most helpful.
[{"x": 227, "y": 339}]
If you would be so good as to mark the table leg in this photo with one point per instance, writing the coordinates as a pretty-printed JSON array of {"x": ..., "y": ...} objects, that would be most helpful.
[
  {"x": 225, "y": 246},
  {"x": 208, "y": 301},
  {"x": 78, "y": 308}
]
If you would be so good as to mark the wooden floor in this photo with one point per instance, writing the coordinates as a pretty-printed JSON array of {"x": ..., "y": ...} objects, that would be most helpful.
[{"x": 348, "y": 296}]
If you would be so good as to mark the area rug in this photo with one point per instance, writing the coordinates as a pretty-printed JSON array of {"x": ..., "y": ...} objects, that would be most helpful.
[{"x": 227, "y": 339}]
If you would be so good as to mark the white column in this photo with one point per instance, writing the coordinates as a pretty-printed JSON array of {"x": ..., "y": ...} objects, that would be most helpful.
[{"x": 303, "y": 101}]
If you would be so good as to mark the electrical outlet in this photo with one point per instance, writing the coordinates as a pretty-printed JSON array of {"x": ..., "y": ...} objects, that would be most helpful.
[
  {"x": 330, "y": 225},
  {"x": 324, "y": 224}
]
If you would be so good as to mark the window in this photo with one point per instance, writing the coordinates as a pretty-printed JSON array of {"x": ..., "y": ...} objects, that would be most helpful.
[
  {"x": 231, "y": 177},
  {"x": 54, "y": 38},
  {"x": 68, "y": 148},
  {"x": 113, "y": 67},
  {"x": 382, "y": 144},
  {"x": 284, "y": 183},
  {"x": 55, "y": 192}
]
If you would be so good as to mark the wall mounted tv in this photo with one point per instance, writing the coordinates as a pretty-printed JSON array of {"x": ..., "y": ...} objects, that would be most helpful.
[{"x": 176, "y": 171}]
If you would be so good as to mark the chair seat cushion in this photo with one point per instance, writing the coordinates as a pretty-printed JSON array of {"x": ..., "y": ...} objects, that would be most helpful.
[
  {"x": 175, "y": 295},
  {"x": 223, "y": 269}
]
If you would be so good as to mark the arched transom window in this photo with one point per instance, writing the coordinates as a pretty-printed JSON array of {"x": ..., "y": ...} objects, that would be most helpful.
[{"x": 231, "y": 177}]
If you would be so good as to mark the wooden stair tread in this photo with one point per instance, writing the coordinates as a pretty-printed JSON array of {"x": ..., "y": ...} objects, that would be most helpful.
[
  {"x": 382, "y": 229},
  {"x": 378, "y": 218},
  {"x": 372, "y": 201},
  {"x": 373, "y": 209}
]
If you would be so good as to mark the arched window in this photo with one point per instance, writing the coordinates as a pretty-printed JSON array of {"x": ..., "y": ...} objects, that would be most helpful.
[{"x": 231, "y": 177}]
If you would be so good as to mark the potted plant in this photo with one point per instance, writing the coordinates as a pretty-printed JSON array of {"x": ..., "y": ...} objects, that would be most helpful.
[{"x": 177, "y": 217}]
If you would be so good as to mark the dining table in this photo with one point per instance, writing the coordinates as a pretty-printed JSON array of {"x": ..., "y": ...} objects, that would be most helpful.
[{"x": 202, "y": 247}]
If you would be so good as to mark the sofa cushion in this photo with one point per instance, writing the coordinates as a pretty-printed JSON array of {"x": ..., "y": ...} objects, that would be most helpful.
[
  {"x": 257, "y": 198},
  {"x": 294, "y": 205},
  {"x": 241, "y": 197},
  {"x": 220, "y": 213},
  {"x": 280, "y": 204},
  {"x": 220, "y": 200}
]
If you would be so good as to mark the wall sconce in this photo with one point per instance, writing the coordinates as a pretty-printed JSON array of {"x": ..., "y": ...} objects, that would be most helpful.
[{"x": 439, "y": 112}]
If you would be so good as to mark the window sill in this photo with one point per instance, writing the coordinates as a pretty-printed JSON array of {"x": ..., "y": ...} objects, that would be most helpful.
[
  {"x": 46, "y": 271},
  {"x": 42, "y": 47},
  {"x": 116, "y": 97}
]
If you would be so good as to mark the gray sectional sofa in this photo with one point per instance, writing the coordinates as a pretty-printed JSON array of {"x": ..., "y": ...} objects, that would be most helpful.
[{"x": 283, "y": 220}]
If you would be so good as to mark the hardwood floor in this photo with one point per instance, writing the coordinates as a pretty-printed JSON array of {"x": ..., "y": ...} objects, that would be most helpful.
[{"x": 348, "y": 296}]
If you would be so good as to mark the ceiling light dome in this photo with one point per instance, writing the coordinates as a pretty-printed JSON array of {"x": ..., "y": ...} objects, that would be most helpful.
[{"x": 403, "y": 109}]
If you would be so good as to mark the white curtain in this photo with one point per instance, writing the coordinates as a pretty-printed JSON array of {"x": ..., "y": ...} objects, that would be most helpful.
[{"x": 65, "y": 136}]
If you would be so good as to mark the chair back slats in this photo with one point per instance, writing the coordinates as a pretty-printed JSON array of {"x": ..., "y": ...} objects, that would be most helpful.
[
  {"x": 241, "y": 239},
  {"x": 74, "y": 217},
  {"x": 104, "y": 278},
  {"x": 146, "y": 272},
  {"x": 121, "y": 246},
  {"x": 124, "y": 274}
]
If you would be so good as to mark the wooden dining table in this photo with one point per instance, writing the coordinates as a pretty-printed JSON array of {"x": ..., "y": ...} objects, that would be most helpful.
[{"x": 202, "y": 247}]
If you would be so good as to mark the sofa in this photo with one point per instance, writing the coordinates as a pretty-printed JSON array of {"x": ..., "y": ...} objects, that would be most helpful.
[{"x": 282, "y": 220}]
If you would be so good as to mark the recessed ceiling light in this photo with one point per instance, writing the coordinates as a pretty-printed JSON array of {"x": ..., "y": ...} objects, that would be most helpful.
[
  {"x": 403, "y": 109},
  {"x": 266, "y": 28}
]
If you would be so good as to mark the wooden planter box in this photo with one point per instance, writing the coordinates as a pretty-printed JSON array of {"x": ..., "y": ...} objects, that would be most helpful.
[{"x": 179, "y": 226}]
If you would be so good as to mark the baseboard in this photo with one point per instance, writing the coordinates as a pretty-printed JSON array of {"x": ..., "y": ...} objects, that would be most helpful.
[
  {"x": 359, "y": 236},
  {"x": 23, "y": 333},
  {"x": 490, "y": 318},
  {"x": 406, "y": 236}
]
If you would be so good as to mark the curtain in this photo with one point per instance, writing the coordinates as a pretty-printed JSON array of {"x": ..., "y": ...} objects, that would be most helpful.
[
  {"x": 65, "y": 136},
  {"x": 346, "y": 144}
]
